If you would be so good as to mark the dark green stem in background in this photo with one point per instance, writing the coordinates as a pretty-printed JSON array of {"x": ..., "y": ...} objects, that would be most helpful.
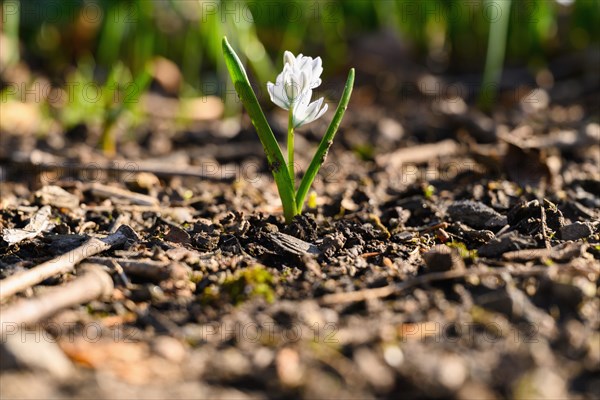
[{"x": 495, "y": 55}]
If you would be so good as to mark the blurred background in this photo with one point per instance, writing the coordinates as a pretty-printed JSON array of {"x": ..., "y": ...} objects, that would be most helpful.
[{"x": 100, "y": 71}]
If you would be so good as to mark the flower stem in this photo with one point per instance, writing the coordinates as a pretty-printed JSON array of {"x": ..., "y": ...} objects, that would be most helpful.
[
  {"x": 273, "y": 152},
  {"x": 290, "y": 147}
]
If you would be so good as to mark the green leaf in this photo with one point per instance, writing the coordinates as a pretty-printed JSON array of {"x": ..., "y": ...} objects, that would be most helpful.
[
  {"x": 321, "y": 154},
  {"x": 277, "y": 163},
  {"x": 495, "y": 56}
]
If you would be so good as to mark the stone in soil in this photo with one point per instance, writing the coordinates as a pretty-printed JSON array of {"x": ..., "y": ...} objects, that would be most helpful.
[
  {"x": 575, "y": 231},
  {"x": 508, "y": 242},
  {"x": 476, "y": 214},
  {"x": 443, "y": 258}
]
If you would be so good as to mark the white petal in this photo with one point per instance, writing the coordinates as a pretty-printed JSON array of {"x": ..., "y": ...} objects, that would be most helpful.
[
  {"x": 317, "y": 66},
  {"x": 302, "y": 61},
  {"x": 304, "y": 81},
  {"x": 323, "y": 110},
  {"x": 277, "y": 96},
  {"x": 317, "y": 70},
  {"x": 287, "y": 77},
  {"x": 313, "y": 110},
  {"x": 288, "y": 58},
  {"x": 300, "y": 106},
  {"x": 306, "y": 114},
  {"x": 302, "y": 103}
]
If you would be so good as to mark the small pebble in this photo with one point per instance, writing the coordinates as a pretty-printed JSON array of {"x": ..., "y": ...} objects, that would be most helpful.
[
  {"x": 452, "y": 372},
  {"x": 476, "y": 214},
  {"x": 393, "y": 356},
  {"x": 289, "y": 369},
  {"x": 169, "y": 348},
  {"x": 575, "y": 231},
  {"x": 443, "y": 258}
]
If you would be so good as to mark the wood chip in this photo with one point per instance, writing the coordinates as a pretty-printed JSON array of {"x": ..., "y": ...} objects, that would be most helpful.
[
  {"x": 122, "y": 195},
  {"x": 39, "y": 223},
  {"x": 93, "y": 284},
  {"x": 65, "y": 262},
  {"x": 292, "y": 245},
  {"x": 57, "y": 197}
]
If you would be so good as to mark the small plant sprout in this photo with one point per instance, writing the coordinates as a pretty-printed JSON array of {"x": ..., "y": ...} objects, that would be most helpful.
[{"x": 292, "y": 91}]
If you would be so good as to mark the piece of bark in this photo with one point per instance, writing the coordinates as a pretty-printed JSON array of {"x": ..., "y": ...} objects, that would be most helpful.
[
  {"x": 527, "y": 166},
  {"x": 94, "y": 283},
  {"x": 39, "y": 223},
  {"x": 476, "y": 214},
  {"x": 154, "y": 271},
  {"x": 122, "y": 195},
  {"x": 56, "y": 196},
  {"x": 288, "y": 244},
  {"x": 575, "y": 231},
  {"x": 527, "y": 255},
  {"x": 567, "y": 139},
  {"x": 569, "y": 251},
  {"x": 510, "y": 241},
  {"x": 65, "y": 262},
  {"x": 122, "y": 219},
  {"x": 39, "y": 161},
  {"x": 561, "y": 253}
]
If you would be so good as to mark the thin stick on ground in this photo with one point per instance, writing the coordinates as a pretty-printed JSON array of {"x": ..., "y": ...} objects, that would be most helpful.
[
  {"x": 418, "y": 154},
  {"x": 152, "y": 270},
  {"x": 386, "y": 291},
  {"x": 63, "y": 263},
  {"x": 112, "y": 192},
  {"x": 544, "y": 225},
  {"x": 93, "y": 284},
  {"x": 218, "y": 174}
]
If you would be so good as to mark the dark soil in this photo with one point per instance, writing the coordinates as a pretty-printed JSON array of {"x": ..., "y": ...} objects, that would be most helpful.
[{"x": 485, "y": 251}]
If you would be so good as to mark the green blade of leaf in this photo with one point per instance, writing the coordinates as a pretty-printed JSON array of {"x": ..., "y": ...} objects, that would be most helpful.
[
  {"x": 321, "y": 154},
  {"x": 275, "y": 158},
  {"x": 140, "y": 85}
]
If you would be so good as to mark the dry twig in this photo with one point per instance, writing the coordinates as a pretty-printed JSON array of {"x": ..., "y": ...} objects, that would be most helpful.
[
  {"x": 63, "y": 263},
  {"x": 215, "y": 173},
  {"x": 418, "y": 154},
  {"x": 155, "y": 271},
  {"x": 93, "y": 284},
  {"x": 111, "y": 192}
]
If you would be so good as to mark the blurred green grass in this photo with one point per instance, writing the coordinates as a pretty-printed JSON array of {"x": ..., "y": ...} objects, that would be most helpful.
[
  {"x": 54, "y": 35},
  {"x": 62, "y": 40}
]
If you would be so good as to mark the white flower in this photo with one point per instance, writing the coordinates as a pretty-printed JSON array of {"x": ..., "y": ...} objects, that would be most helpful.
[
  {"x": 293, "y": 88},
  {"x": 304, "y": 112},
  {"x": 313, "y": 67}
]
